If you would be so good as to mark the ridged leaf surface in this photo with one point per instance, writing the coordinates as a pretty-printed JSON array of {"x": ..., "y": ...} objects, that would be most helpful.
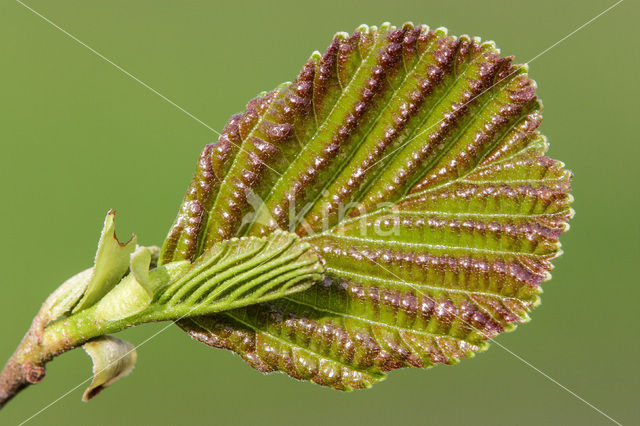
[
  {"x": 410, "y": 161},
  {"x": 242, "y": 271}
]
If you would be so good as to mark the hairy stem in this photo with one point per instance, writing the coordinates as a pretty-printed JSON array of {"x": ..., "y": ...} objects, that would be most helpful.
[
  {"x": 230, "y": 275},
  {"x": 39, "y": 346},
  {"x": 12, "y": 380},
  {"x": 48, "y": 337}
]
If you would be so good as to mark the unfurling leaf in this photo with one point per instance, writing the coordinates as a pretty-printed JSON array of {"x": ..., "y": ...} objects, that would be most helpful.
[
  {"x": 231, "y": 274},
  {"x": 410, "y": 162},
  {"x": 111, "y": 263},
  {"x": 140, "y": 264},
  {"x": 112, "y": 359},
  {"x": 134, "y": 293},
  {"x": 87, "y": 287},
  {"x": 240, "y": 272},
  {"x": 62, "y": 301}
]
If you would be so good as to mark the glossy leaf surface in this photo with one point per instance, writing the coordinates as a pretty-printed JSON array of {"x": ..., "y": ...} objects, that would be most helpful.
[{"x": 411, "y": 163}]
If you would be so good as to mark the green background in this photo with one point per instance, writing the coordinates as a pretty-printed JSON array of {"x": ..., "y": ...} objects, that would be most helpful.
[{"x": 78, "y": 137}]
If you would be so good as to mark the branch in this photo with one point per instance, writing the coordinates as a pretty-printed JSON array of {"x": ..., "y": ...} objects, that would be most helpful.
[{"x": 26, "y": 365}]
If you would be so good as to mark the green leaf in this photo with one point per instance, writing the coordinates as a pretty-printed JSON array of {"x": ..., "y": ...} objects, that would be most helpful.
[
  {"x": 128, "y": 297},
  {"x": 140, "y": 264},
  {"x": 64, "y": 298},
  {"x": 111, "y": 263},
  {"x": 112, "y": 359},
  {"x": 239, "y": 272},
  {"x": 231, "y": 274},
  {"x": 86, "y": 287},
  {"x": 410, "y": 161}
]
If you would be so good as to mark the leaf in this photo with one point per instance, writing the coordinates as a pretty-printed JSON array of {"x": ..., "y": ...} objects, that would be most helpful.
[
  {"x": 410, "y": 161},
  {"x": 64, "y": 298},
  {"x": 140, "y": 264},
  {"x": 240, "y": 272},
  {"x": 111, "y": 263},
  {"x": 112, "y": 359},
  {"x": 134, "y": 293},
  {"x": 86, "y": 287},
  {"x": 231, "y": 274}
]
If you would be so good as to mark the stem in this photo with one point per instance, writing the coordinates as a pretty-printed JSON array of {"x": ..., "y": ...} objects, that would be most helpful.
[
  {"x": 243, "y": 272},
  {"x": 39, "y": 346},
  {"x": 26, "y": 365},
  {"x": 12, "y": 380},
  {"x": 46, "y": 340}
]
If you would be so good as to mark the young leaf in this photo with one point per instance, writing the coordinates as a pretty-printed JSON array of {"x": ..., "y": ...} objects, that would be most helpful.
[
  {"x": 140, "y": 264},
  {"x": 112, "y": 359},
  {"x": 231, "y": 274},
  {"x": 239, "y": 272},
  {"x": 87, "y": 287},
  {"x": 392, "y": 207},
  {"x": 111, "y": 263},
  {"x": 410, "y": 161}
]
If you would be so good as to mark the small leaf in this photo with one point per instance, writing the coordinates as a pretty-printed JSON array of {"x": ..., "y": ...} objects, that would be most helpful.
[
  {"x": 240, "y": 272},
  {"x": 127, "y": 298},
  {"x": 133, "y": 293},
  {"x": 78, "y": 292},
  {"x": 112, "y": 359},
  {"x": 140, "y": 264},
  {"x": 62, "y": 301},
  {"x": 410, "y": 161},
  {"x": 111, "y": 263}
]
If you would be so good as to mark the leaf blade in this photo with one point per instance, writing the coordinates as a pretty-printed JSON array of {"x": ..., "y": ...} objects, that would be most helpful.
[
  {"x": 452, "y": 216},
  {"x": 111, "y": 263}
]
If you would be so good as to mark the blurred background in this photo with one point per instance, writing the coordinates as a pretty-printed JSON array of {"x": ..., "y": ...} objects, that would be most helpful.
[{"x": 79, "y": 137}]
